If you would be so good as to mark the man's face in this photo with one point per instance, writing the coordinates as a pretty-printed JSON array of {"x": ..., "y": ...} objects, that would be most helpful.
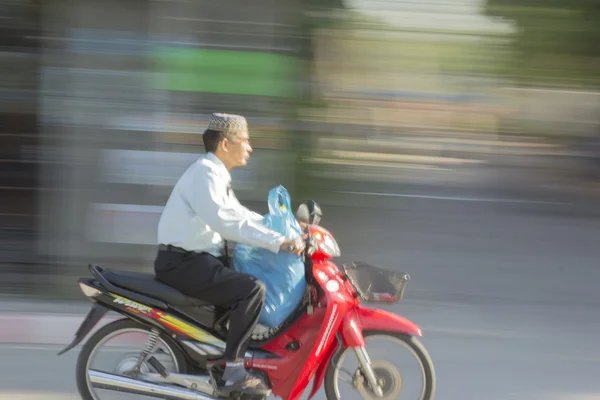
[{"x": 239, "y": 149}]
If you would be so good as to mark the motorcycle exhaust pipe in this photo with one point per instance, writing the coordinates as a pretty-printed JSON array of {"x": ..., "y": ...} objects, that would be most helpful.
[{"x": 103, "y": 380}]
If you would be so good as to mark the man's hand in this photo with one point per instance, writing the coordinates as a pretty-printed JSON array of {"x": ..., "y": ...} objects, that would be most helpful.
[
  {"x": 303, "y": 226},
  {"x": 295, "y": 246}
]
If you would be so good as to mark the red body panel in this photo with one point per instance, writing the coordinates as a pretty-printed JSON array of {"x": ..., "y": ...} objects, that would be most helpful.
[
  {"x": 316, "y": 333},
  {"x": 284, "y": 372},
  {"x": 322, "y": 368},
  {"x": 373, "y": 319},
  {"x": 352, "y": 330}
]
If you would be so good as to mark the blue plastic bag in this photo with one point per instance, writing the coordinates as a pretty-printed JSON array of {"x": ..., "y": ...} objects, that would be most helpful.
[{"x": 282, "y": 273}]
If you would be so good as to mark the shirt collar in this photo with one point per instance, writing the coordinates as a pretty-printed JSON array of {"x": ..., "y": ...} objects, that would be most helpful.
[{"x": 221, "y": 166}]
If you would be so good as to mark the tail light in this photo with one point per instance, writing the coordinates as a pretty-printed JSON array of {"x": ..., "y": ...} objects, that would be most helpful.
[{"x": 88, "y": 290}]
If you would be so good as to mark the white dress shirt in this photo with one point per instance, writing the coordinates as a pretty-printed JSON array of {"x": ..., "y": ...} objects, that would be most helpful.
[{"x": 201, "y": 212}]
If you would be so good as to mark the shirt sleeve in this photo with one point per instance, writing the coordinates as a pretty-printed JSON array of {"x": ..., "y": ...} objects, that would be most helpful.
[
  {"x": 208, "y": 200},
  {"x": 254, "y": 216}
]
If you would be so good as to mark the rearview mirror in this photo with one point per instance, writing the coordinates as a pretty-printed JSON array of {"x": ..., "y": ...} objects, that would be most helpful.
[
  {"x": 303, "y": 215},
  {"x": 309, "y": 213}
]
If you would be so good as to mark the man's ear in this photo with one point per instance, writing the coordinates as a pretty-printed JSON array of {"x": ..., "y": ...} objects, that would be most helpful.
[{"x": 224, "y": 144}]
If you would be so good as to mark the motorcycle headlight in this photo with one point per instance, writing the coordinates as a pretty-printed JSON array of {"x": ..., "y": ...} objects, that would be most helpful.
[{"x": 329, "y": 246}]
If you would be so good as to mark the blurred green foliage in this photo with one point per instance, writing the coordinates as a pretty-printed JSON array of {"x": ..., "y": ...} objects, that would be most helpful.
[{"x": 556, "y": 42}]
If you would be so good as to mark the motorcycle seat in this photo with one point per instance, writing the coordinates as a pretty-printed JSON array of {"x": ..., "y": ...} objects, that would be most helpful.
[{"x": 147, "y": 284}]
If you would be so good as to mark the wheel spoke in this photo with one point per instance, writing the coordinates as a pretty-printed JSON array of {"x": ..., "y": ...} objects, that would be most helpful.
[
  {"x": 116, "y": 352},
  {"x": 349, "y": 380}
]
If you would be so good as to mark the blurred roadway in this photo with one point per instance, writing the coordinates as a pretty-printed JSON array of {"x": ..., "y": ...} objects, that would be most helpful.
[{"x": 504, "y": 289}]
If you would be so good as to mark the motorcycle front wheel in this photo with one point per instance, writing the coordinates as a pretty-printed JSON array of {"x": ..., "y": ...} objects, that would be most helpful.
[{"x": 393, "y": 356}]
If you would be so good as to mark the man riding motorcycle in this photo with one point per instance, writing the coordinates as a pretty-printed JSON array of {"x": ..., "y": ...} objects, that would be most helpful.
[{"x": 201, "y": 215}]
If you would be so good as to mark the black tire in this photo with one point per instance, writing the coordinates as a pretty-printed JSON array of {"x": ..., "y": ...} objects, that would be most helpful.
[
  {"x": 86, "y": 351},
  {"x": 410, "y": 341}
]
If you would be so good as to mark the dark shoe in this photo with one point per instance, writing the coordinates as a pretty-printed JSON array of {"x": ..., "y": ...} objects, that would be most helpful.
[
  {"x": 236, "y": 379},
  {"x": 250, "y": 384}
]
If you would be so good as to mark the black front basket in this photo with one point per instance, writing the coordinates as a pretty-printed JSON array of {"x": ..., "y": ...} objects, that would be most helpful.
[{"x": 375, "y": 284}]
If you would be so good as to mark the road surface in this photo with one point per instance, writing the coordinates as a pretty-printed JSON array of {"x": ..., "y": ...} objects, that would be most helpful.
[{"x": 505, "y": 291}]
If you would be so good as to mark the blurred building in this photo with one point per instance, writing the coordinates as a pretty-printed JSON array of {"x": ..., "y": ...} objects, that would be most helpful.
[
  {"x": 102, "y": 104},
  {"x": 105, "y": 104},
  {"x": 20, "y": 133}
]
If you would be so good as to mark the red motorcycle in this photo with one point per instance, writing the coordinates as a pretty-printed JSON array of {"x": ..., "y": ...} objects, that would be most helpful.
[{"x": 182, "y": 334}]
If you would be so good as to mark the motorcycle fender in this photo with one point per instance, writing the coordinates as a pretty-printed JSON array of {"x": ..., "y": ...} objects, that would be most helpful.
[
  {"x": 92, "y": 318},
  {"x": 373, "y": 319},
  {"x": 322, "y": 368}
]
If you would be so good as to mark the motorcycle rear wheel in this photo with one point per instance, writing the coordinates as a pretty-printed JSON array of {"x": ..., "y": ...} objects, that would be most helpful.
[
  {"x": 332, "y": 390},
  {"x": 96, "y": 341}
]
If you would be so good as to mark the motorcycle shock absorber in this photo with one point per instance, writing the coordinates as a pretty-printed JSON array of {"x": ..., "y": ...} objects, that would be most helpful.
[{"x": 148, "y": 348}]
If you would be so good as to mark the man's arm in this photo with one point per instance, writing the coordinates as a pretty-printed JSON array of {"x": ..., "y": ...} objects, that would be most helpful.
[
  {"x": 246, "y": 212},
  {"x": 207, "y": 199}
]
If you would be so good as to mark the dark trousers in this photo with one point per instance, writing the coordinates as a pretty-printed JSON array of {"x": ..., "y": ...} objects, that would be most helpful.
[{"x": 203, "y": 276}]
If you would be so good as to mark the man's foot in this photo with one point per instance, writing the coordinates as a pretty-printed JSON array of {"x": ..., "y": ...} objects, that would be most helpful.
[{"x": 236, "y": 379}]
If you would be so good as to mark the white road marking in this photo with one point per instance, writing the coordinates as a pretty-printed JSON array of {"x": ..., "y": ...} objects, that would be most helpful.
[
  {"x": 42, "y": 395},
  {"x": 452, "y": 198}
]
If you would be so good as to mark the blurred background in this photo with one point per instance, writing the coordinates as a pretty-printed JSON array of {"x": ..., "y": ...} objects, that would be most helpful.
[{"x": 458, "y": 140}]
